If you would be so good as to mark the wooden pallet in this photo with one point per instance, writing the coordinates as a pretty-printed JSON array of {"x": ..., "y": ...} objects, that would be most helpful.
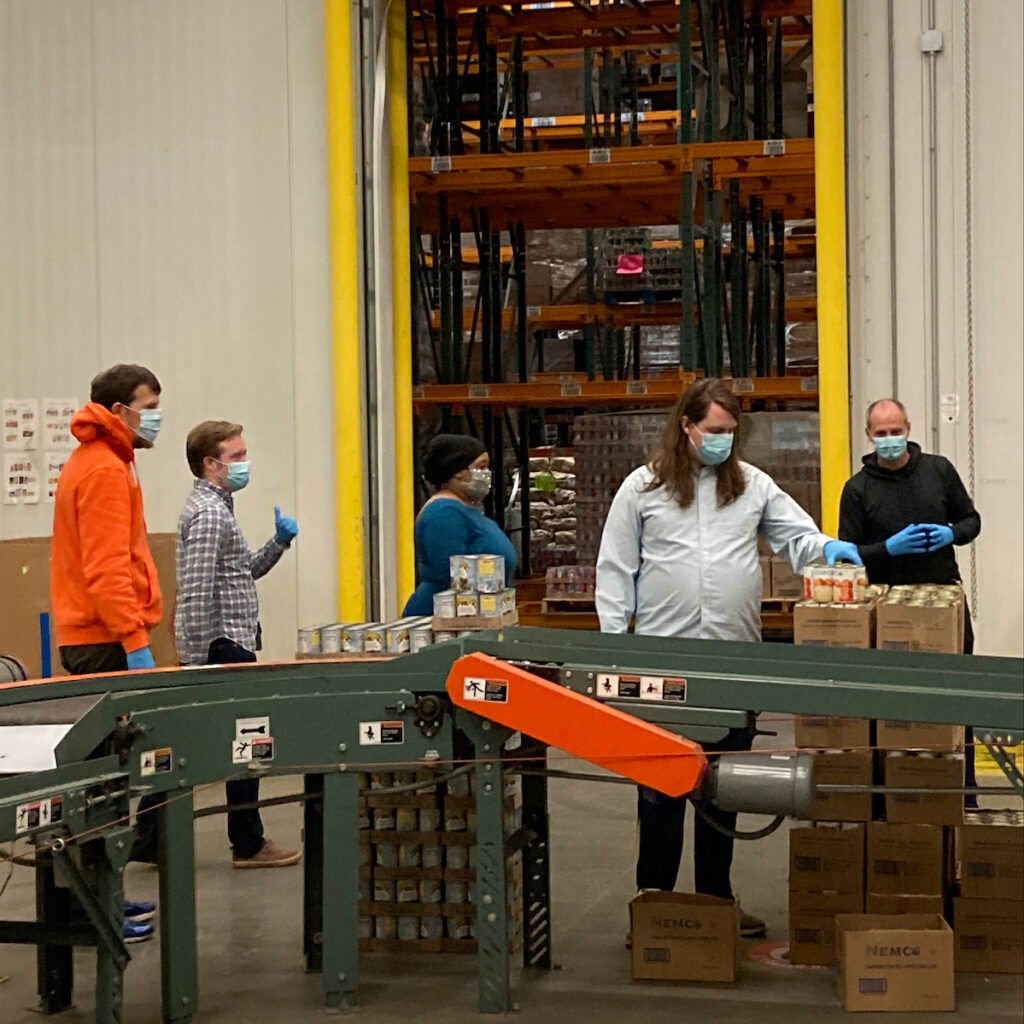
[
  {"x": 456, "y": 625},
  {"x": 567, "y": 603}
]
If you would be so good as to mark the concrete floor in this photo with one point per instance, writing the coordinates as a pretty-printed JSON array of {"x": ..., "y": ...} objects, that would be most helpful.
[{"x": 250, "y": 941}]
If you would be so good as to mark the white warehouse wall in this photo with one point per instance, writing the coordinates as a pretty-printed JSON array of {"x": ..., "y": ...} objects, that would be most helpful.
[
  {"x": 163, "y": 200},
  {"x": 979, "y": 369}
]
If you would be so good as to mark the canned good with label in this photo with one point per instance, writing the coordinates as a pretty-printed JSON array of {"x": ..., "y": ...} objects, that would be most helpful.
[
  {"x": 431, "y": 927},
  {"x": 384, "y": 890},
  {"x": 463, "y": 572},
  {"x": 385, "y": 927},
  {"x": 408, "y": 890},
  {"x": 409, "y": 855},
  {"x": 490, "y": 574},
  {"x": 490, "y": 606},
  {"x": 308, "y": 640},
  {"x": 408, "y": 928},
  {"x": 455, "y": 892},
  {"x": 433, "y": 855},
  {"x": 467, "y": 606}
]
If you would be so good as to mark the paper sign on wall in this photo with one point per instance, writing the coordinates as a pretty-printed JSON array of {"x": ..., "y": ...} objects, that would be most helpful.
[
  {"x": 21, "y": 425},
  {"x": 54, "y": 463},
  {"x": 57, "y": 413},
  {"x": 21, "y": 480}
]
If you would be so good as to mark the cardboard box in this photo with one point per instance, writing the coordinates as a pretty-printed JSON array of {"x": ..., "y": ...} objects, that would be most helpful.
[
  {"x": 891, "y": 735},
  {"x": 812, "y": 924},
  {"x": 25, "y": 593},
  {"x": 684, "y": 937},
  {"x": 906, "y": 859},
  {"x": 989, "y": 935},
  {"x": 833, "y": 625},
  {"x": 901, "y": 627},
  {"x": 895, "y": 963},
  {"x": 905, "y": 903},
  {"x": 992, "y": 862},
  {"x": 831, "y": 732},
  {"x": 845, "y": 769},
  {"x": 785, "y": 582},
  {"x": 827, "y": 860},
  {"x": 944, "y": 771}
]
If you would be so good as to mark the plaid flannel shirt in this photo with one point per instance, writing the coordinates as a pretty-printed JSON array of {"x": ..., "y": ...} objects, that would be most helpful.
[{"x": 216, "y": 574}]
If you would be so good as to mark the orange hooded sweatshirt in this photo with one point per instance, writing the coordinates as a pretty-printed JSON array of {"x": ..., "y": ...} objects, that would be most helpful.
[{"x": 103, "y": 582}]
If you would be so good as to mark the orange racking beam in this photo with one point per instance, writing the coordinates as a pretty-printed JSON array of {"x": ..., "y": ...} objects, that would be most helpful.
[
  {"x": 620, "y": 314},
  {"x": 649, "y": 390}
]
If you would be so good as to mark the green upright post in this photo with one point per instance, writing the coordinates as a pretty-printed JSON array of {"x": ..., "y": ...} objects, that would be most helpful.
[
  {"x": 313, "y": 871},
  {"x": 341, "y": 889},
  {"x": 684, "y": 94},
  {"x": 110, "y": 855},
  {"x": 54, "y": 964},
  {"x": 491, "y": 895},
  {"x": 177, "y": 861}
]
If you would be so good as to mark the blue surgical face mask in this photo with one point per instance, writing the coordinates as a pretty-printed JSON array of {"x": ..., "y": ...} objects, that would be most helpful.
[
  {"x": 238, "y": 475},
  {"x": 891, "y": 447},
  {"x": 714, "y": 448},
  {"x": 150, "y": 421}
]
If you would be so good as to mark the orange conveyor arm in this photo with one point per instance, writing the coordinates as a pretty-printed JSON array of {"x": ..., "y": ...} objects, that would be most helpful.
[{"x": 590, "y": 730}]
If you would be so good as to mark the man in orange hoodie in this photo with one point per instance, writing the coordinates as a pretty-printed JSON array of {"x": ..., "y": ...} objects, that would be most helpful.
[{"x": 103, "y": 583}]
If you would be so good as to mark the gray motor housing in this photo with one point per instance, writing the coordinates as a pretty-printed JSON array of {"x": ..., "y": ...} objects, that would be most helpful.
[{"x": 762, "y": 783}]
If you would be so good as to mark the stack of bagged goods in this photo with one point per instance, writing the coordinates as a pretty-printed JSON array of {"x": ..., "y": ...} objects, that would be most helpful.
[
  {"x": 624, "y": 272},
  {"x": 418, "y": 863},
  {"x": 403, "y": 636},
  {"x": 988, "y": 913},
  {"x": 478, "y": 597},
  {"x": 786, "y": 446},
  {"x": 552, "y": 510}
]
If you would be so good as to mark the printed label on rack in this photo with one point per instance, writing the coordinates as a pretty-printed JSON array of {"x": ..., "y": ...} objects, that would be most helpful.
[
  {"x": 38, "y": 814},
  {"x": 479, "y": 391},
  {"x": 493, "y": 691},
  {"x": 601, "y": 156},
  {"x": 155, "y": 762},
  {"x": 742, "y": 386},
  {"x": 417, "y": 391},
  {"x": 251, "y": 728},
  {"x": 571, "y": 390},
  {"x": 627, "y": 116},
  {"x": 376, "y": 734},
  {"x": 440, "y": 163},
  {"x": 636, "y": 387},
  {"x": 809, "y": 383},
  {"x": 532, "y": 312},
  {"x": 471, "y": 97},
  {"x": 543, "y": 122},
  {"x": 774, "y": 147}
]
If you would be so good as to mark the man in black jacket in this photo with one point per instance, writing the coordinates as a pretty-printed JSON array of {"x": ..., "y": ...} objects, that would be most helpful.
[{"x": 905, "y": 511}]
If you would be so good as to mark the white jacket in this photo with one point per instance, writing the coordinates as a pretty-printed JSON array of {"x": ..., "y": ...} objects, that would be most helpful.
[{"x": 694, "y": 572}]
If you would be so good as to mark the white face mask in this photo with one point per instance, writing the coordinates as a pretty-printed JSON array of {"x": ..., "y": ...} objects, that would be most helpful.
[{"x": 479, "y": 484}]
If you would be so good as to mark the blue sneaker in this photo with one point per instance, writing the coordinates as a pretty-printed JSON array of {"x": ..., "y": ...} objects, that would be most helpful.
[
  {"x": 133, "y": 932},
  {"x": 139, "y": 912}
]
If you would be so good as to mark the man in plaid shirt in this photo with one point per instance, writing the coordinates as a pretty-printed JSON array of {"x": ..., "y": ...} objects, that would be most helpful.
[{"x": 217, "y": 617}]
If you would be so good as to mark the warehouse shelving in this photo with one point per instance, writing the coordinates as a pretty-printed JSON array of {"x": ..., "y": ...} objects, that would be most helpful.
[{"x": 494, "y": 173}]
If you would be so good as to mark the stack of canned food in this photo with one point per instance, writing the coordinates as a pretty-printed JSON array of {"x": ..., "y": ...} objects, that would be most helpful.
[
  {"x": 837, "y": 584},
  {"x": 403, "y": 636},
  {"x": 478, "y": 591},
  {"x": 925, "y": 595}
]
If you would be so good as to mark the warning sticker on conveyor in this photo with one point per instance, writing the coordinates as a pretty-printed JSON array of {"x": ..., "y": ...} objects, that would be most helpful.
[
  {"x": 38, "y": 814},
  {"x": 254, "y": 748},
  {"x": 155, "y": 762},
  {"x": 609, "y": 686},
  {"x": 375, "y": 734},
  {"x": 494, "y": 691},
  {"x": 250, "y": 728}
]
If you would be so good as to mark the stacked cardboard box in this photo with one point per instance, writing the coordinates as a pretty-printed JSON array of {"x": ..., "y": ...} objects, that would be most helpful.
[
  {"x": 826, "y": 878},
  {"x": 909, "y": 868},
  {"x": 988, "y": 915},
  {"x": 418, "y": 864}
]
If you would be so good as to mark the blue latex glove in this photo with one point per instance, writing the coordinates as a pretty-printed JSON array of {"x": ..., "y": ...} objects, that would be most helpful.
[
  {"x": 142, "y": 658},
  {"x": 285, "y": 528},
  {"x": 939, "y": 536},
  {"x": 911, "y": 540},
  {"x": 842, "y": 550}
]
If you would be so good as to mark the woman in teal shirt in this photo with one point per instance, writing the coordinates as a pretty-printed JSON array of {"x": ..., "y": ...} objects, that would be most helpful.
[{"x": 450, "y": 523}]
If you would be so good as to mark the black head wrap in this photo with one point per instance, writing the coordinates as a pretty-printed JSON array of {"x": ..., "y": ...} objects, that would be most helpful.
[{"x": 448, "y": 454}]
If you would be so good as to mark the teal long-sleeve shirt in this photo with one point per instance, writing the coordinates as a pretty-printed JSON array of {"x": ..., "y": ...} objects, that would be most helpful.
[{"x": 446, "y": 527}]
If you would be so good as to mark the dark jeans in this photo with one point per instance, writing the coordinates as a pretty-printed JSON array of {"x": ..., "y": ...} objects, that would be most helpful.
[
  {"x": 245, "y": 828},
  {"x": 661, "y": 836},
  {"x": 93, "y": 659}
]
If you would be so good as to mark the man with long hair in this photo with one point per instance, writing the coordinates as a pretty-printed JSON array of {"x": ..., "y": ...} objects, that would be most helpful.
[{"x": 679, "y": 552}]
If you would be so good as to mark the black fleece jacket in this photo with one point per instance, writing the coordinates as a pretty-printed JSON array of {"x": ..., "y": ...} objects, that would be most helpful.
[{"x": 878, "y": 502}]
